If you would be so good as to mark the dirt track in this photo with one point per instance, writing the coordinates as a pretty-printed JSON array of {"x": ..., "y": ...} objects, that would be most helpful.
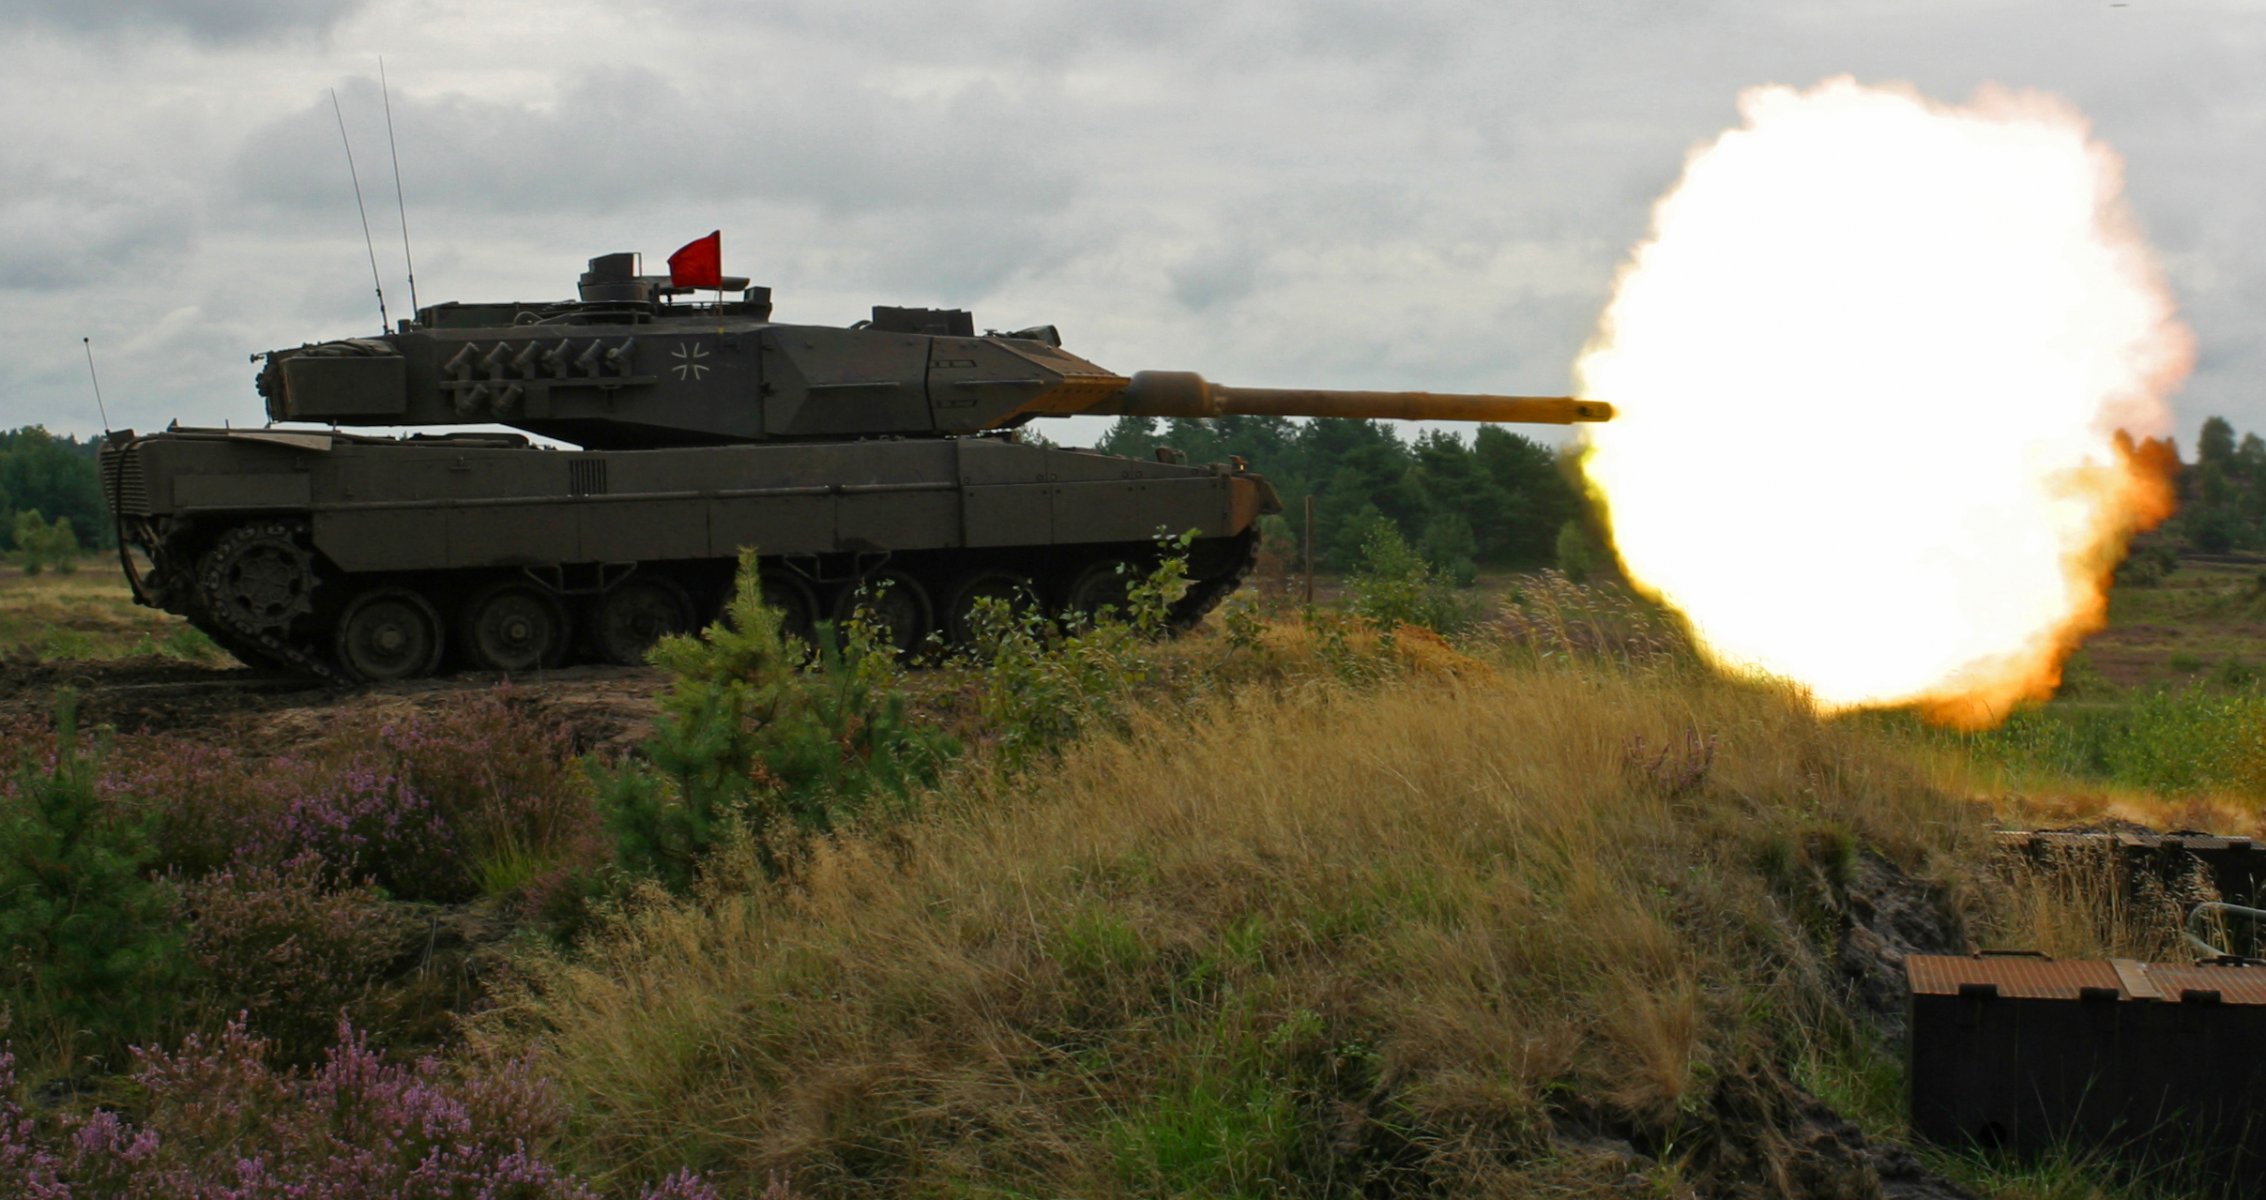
[{"x": 607, "y": 708}]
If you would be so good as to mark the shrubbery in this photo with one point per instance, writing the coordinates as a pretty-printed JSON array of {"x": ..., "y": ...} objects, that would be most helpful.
[
  {"x": 1394, "y": 586},
  {"x": 749, "y": 739},
  {"x": 88, "y": 936},
  {"x": 289, "y": 950},
  {"x": 1044, "y": 681},
  {"x": 446, "y": 804},
  {"x": 1576, "y": 559},
  {"x": 151, "y": 882},
  {"x": 2173, "y": 741},
  {"x": 220, "y": 1123},
  {"x": 40, "y": 545}
]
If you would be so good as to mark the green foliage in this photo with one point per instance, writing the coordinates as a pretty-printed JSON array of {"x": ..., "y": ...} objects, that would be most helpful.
[
  {"x": 2222, "y": 497},
  {"x": 89, "y": 935},
  {"x": 40, "y": 545},
  {"x": 1452, "y": 549},
  {"x": 1279, "y": 542},
  {"x": 1242, "y": 1115},
  {"x": 2147, "y": 566},
  {"x": 56, "y": 476},
  {"x": 1508, "y": 491},
  {"x": 1344, "y": 529},
  {"x": 2215, "y": 444},
  {"x": 1394, "y": 586},
  {"x": 1576, "y": 559},
  {"x": 748, "y": 739},
  {"x": 2170, "y": 741},
  {"x": 1043, "y": 684}
]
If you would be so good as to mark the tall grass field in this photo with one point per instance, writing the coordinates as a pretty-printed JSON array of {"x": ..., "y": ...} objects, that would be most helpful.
[{"x": 1426, "y": 892}]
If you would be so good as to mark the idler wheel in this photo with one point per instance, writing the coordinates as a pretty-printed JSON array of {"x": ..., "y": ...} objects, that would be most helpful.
[
  {"x": 790, "y": 597},
  {"x": 388, "y": 634},
  {"x": 1104, "y": 585},
  {"x": 1016, "y": 591},
  {"x": 896, "y": 604},
  {"x": 513, "y": 627},
  {"x": 259, "y": 578},
  {"x": 638, "y": 612}
]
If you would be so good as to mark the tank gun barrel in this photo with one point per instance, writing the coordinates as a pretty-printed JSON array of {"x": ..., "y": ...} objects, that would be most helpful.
[{"x": 1187, "y": 394}]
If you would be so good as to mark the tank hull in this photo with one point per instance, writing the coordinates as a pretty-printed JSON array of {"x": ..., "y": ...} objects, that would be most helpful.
[{"x": 322, "y": 552}]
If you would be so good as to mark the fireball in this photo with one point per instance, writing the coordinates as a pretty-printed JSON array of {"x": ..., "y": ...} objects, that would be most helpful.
[{"x": 1878, "y": 373}]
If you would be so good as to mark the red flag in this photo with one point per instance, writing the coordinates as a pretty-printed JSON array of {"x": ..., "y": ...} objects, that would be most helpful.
[{"x": 699, "y": 264}]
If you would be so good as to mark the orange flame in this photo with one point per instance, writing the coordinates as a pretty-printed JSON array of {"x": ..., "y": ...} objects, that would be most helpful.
[{"x": 1878, "y": 373}]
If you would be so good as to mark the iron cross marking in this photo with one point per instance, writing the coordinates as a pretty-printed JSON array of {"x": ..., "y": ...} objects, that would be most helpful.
[{"x": 690, "y": 366}]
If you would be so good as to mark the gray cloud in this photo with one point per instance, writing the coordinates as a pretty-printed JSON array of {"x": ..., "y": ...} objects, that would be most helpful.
[
  {"x": 65, "y": 229},
  {"x": 614, "y": 138},
  {"x": 1430, "y": 194},
  {"x": 214, "y": 21}
]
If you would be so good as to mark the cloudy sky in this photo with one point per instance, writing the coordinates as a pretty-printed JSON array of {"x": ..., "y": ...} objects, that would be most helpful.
[{"x": 1427, "y": 193}]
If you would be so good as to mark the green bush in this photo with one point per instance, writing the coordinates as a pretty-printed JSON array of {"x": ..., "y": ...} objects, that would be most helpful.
[
  {"x": 2147, "y": 566},
  {"x": 748, "y": 738},
  {"x": 91, "y": 944},
  {"x": 1452, "y": 549},
  {"x": 1279, "y": 543},
  {"x": 1043, "y": 684},
  {"x": 1394, "y": 586},
  {"x": 40, "y": 545},
  {"x": 1575, "y": 557}
]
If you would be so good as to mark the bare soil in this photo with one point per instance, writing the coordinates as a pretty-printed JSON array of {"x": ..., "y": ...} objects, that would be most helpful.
[{"x": 606, "y": 709}]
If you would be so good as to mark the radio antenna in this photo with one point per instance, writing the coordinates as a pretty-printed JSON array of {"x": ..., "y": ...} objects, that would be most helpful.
[
  {"x": 384, "y": 322},
  {"x": 403, "y": 205},
  {"x": 97, "y": 382}
]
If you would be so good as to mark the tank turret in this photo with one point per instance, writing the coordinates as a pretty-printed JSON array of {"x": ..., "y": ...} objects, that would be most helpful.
[
  {"x": 870, "y": 465},
  {"x": 634, "y": 362}
]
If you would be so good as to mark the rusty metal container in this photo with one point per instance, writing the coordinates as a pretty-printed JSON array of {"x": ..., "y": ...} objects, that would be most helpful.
[{"x": 2163, "y": 1061}]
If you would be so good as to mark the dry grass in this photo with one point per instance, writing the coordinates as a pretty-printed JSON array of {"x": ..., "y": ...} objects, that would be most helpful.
[
  {"x": 90, "y": 615},
  {"x": 2081, "y": 903},
  {"x": 1398, "y": 939}
]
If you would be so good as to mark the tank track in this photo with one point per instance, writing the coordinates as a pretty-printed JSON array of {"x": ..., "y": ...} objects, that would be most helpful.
[
  {"x": 257, "y": 647},
  {"x": 302, "y": 647},
  {"x": 1204, "y": 595}
]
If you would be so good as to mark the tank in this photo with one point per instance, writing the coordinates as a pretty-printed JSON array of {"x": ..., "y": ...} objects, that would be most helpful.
[{"x": 652, "y": 432}]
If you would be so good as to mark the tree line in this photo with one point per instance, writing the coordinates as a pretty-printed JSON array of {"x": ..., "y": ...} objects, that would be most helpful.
[
  {"x": 46, "y": 480},
  {"x": 1504, "y": 500},
  {"x": 1500, "y": 499},
  {"x": 2222, "y": 495},
  {"x": 1497, "y": 499}
]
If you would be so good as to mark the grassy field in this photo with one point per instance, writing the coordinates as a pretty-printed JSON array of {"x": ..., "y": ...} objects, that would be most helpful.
[
  {"x": 1291, "y": 907},
  {"x": 2204, "y": 625},
  {"x": 89, "y": 615},
  {"x": 1402, "y": 939}
]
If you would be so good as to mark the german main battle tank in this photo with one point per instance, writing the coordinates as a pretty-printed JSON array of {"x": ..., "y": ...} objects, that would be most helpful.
[{"x": 882, "y": 453}]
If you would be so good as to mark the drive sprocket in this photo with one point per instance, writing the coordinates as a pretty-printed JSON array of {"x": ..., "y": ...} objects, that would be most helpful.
[
  {"x": 255, "y": 584},
  {"x": 259, "y": 578}
]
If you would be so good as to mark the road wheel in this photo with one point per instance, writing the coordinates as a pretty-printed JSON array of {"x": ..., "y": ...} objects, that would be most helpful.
[
  {"x": 513, "y": 627},
  {"x": 388, "y": 634},
  {"x": 1104, "y": 585},
  {"x": 1014, "y": 590},
  {"x": 896, "y": 607},
  {"x": 787, "y": 595},
  {"x": 638, "y": 612}
]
